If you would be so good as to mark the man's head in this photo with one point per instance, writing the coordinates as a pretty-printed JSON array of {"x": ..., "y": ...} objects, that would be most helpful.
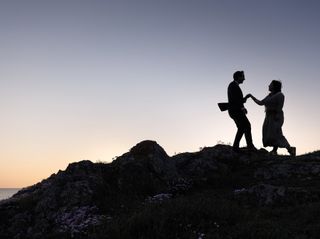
[{"x": 238, "y": 76}]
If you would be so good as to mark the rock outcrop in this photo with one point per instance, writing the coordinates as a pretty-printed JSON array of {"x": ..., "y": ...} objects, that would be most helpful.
[{"x": 88, "y": 196}]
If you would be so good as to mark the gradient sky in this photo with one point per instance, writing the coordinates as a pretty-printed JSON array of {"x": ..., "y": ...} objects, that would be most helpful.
[{"x": 90, "y": 79}]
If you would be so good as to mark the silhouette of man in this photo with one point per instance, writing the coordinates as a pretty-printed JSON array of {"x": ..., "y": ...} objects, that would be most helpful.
[{"x": 237, "y": 111}]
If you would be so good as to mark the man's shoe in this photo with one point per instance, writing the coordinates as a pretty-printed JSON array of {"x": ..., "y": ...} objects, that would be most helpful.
[
  {"x": 292, "y": 151},
  {"x": 273, "y": 152}
]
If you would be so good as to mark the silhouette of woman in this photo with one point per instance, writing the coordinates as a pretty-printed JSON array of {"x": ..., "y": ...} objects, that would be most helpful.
[{"x": 272, "y": 126}]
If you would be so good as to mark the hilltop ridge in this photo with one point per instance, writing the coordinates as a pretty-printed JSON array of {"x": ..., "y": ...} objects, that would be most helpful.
[{"x": 212, "y": 193}]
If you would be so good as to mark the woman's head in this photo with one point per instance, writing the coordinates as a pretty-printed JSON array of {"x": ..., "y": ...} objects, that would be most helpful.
[{"x": 275, "y": 86}]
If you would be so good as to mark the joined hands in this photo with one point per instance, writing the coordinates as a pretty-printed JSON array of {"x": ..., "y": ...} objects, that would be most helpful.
[{"x": 246, "y": 97}]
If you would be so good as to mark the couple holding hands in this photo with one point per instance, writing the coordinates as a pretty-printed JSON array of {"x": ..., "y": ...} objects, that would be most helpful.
[{"x": 272, "y": 126}]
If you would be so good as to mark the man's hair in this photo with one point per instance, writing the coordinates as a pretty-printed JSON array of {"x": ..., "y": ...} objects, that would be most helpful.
[
  {"x": 277, "y": 85},
  {"x": 237, "y": 75}
]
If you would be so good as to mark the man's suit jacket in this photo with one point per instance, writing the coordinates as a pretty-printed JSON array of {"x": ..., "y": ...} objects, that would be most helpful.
[{"x": 235, "y": 98}]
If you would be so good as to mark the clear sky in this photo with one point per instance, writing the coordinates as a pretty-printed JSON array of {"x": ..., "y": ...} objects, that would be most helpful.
[{"x": 88, "y": 79}]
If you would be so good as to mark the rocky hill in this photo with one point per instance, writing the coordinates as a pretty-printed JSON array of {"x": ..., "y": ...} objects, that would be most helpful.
[{"x": 213, "y": 193}]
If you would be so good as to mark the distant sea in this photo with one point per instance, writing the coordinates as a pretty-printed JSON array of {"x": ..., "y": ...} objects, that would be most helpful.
[{"x": 5, "y": 193}]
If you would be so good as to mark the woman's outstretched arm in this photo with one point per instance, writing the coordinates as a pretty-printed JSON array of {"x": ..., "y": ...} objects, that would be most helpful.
[{"x": 259, "y": 102}]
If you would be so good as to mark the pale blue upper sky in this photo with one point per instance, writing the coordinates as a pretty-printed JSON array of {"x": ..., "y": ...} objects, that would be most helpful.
[{"x": 90, "y": 79}]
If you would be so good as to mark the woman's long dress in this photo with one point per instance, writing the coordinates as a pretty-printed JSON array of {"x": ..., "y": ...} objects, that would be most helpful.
[{"x": 272, "y": 126}]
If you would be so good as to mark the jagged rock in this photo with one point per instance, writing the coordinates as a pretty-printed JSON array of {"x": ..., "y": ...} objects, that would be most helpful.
[
  {"x": 262, "y": 194},
  {"x": 87, "y": 196},
  {"x": 271, "y": 195},
  {"x": 159, "y": 198},
  {"x": 206, "y": 164},
  {"x": 152, "y": 156},
  {"x": 288, "y": 169},
  {"x": 145, "y": 170}
]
